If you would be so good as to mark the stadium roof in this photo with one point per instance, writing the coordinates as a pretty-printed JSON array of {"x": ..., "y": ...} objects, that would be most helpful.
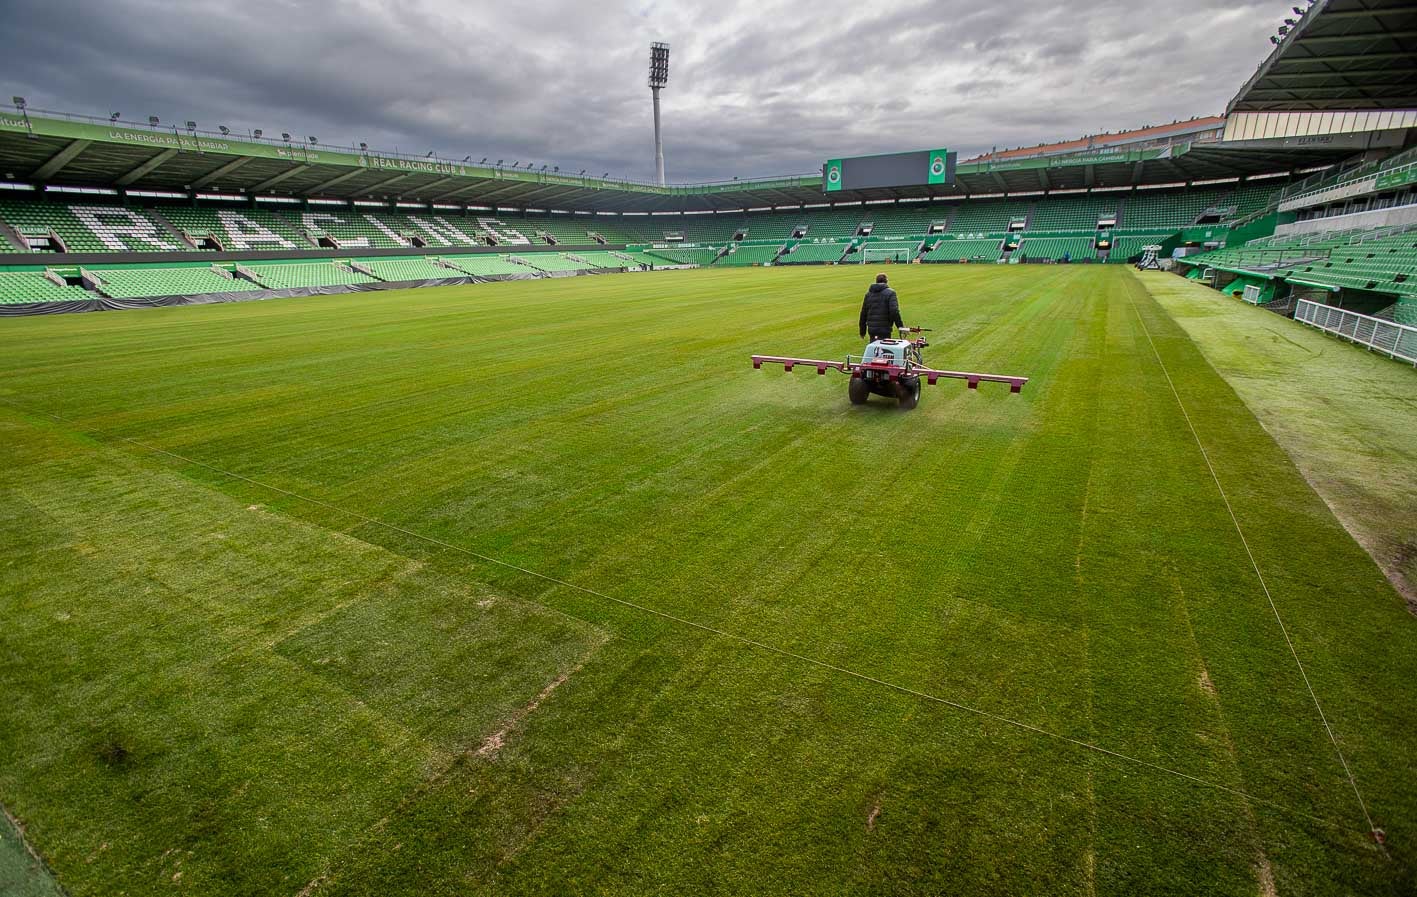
[
  {"x": 85, "y": 152},
  {"x": 1340, "y": 54}
]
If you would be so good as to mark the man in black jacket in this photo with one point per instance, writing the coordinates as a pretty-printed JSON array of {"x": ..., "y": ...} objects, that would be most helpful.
[{"x": 880, "y": 310}]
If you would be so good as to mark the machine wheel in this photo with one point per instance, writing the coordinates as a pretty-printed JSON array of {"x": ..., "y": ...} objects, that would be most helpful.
[
  {"x": 858, "y": 391},
  {"x": 908, "y": 393}
]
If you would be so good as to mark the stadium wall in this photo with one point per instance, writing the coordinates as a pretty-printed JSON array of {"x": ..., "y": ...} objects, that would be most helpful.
[{"x": 1392, "y": 217}]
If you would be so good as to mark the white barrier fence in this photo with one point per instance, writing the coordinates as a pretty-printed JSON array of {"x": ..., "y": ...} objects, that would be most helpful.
[{"x": 1394, "y": 340}]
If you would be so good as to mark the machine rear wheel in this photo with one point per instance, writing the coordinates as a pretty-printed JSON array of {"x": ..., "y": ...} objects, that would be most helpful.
[
  {"x": 908, "y": 393},
  {"x": 858, "y": 391}
]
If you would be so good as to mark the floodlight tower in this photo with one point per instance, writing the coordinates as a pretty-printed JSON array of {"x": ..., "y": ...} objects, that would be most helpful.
[{"x": 658, "y": 77}]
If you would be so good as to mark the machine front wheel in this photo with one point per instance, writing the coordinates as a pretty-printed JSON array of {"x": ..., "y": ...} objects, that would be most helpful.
[
  {"x": 858, "y": 391},
  {"x": 908, "y": 391}
]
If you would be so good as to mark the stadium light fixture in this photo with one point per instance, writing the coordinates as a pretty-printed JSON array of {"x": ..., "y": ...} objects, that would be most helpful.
[
  {"x": 468, "y": 158},
  {"x": 1274, "y": 40},
  {"x": 483, "y": 162},
  {"x": 18, "y": 101},
  {"x": 1283, "y": 30},
  {"x": 499, "y": 163},
  {"x": 257, "y": 133},
  {"x": 582, "y": 174},
  {"x": 284, "y": 136},
  {"x": 363, "y": 147},
  {"x": 114, "y": 116},
  {"x": 1290, "y": 22},
  {"x": 313, "y": 140},
  {"x": 152, "y": 121},
  {"x": 658, "y": 77},
  {"x": 428, "y": 155},
  {"x": 225, "y": 131},
  {"x": 191, "y": 126}
]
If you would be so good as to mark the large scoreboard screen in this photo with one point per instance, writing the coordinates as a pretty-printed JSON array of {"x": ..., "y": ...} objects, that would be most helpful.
[{"x": 890, "y": 170}]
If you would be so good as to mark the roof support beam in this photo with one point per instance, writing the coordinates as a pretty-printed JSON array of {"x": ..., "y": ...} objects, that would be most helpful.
[
  {"x": 320, "y": 188},
  {"x": 146, "y": 167},
  {"x": 221, "y": 172},
  {"x": 1043, "y": 179},
  {"x": 369, "y": 191},
  {"x": 268, "y": 183},
  {"x": 59, "y": 160},
  {"x": 1342, "y": 38},
  {"x": 1351, "y": 57}
]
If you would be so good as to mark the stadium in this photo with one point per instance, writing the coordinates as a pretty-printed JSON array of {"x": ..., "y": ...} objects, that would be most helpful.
[{"x": 386, "y": 523}]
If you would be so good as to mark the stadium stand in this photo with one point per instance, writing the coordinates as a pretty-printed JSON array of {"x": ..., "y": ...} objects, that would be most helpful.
[
  {"x": 987, "y": 215},
  {"x": 177, "y": 280},
  {"x": 17, "y": 287},
  {"x": 1076, "y": 246},
  {"x": 236, "y": 229},
  {"x": 396, "y": 270},
  {"x": 486, "y": 265},
  {"x": 1149, "y": 210},
  {"x": 702, "y": 256},
  {"x": 85, "y": 227},
  {"x": 747, "y": 256},
  {"x": 1128, "y": 246},
  {"x": 986, "y": 249},
  {"x": 600, "y": 259},
  {"x": 357, "y": 229},
  {"x": 813, "y": 254},
  {"x": 640, "y": 258},
  {"x": 1381, "y": 262},
  {"x": 882, "y": 250},
  {"x": 553, "y": 261},
  {"x": 905, "y": 220},
  {"x": 306, "y": 274},
  {"x": 1072, "y": 212}
]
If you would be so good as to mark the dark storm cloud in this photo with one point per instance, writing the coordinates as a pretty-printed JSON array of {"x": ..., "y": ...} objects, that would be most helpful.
[{"x": 759, "y": 88}]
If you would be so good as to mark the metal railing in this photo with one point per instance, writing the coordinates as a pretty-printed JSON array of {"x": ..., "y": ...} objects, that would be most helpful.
[{"x": 1388, "y": 337}]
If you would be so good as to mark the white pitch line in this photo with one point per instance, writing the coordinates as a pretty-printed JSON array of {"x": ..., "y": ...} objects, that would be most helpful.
[
  {"x": 703, "y": 627},
  {"x": 1343, "y": 761}
]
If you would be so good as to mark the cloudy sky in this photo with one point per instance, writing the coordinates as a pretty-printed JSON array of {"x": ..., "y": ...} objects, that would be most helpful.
[{"x": 756, "y": 88}]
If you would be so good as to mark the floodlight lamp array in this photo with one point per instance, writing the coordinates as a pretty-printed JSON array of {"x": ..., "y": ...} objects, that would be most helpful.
[{"x": 658, "y": 64}]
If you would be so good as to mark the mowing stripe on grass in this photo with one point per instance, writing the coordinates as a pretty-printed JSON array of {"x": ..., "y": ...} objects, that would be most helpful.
[
  {"x": 1372, "y": 829},
  {"x": 702, "y": 627}
]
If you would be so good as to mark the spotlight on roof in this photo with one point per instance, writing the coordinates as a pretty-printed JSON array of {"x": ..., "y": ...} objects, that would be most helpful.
[
  {"x": 499, "y": 163},
  {"x": 363, "y": 147},
  {"x": 1274, "y": 40},
  {"x": 191, "y": 126},
  {"x": 1283, "y": 30},
  {"x": 284, "y": 136},
  {"x": 483, "y": 162},
  {"x": 543, "y": 168},
  {"x": 225, "y": 131},
  {"x": 257, "y": 133},
  {"x": 428, "y": 155},
  {"x": 18, "y": 101},
  {"x": 114, "y": 116},
  {"x": 582, "y": 171},
  {"x": 606, "y": 175},
  {"x": 313, "y": 139},
  {"x": 1297, "y": 10},
  {"x": 468, "y": 158},
  {"x": 1290, "y": 22},
  {"x": 152, "y": 121}
]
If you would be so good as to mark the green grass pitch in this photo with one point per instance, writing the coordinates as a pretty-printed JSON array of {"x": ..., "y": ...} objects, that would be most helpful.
[{"x": 262, "y": 629}]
